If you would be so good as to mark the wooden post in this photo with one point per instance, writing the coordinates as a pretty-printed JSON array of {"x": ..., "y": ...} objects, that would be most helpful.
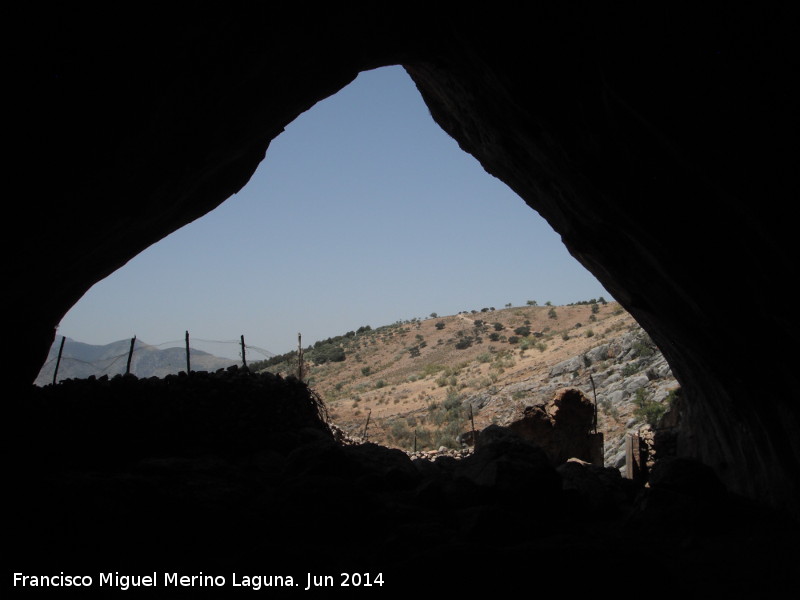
[
  {"x": 130, "y": 356},
  {"x": 188, "y": 365},
  {"x": 415, "y": 440},
  {"x": 633, "y": 458},
  {"x": 369, "y": 414},
  {"x": 594, "y": 392},
  {"x": 474, "y": 437},
  {"x": 58, "y": 361},
  {"x": 244, "y": 361},
  {"x": 299, "y": 357}
]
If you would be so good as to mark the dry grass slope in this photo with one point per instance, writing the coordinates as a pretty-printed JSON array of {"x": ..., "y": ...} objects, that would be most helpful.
[{"x": 415, "y": 376}]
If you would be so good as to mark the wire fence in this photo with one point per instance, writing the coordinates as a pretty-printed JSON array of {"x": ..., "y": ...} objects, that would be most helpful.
[{"x": 75, "y": 360}]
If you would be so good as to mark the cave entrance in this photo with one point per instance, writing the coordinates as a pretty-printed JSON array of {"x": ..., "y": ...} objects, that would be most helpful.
[{"x": 364, "y": 213}]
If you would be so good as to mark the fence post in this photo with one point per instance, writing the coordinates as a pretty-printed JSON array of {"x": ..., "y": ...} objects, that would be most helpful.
[
  {"x": 188, "y": 365},
  {"x": 594, "y": 393},
  {"x": 58, "y": 362},
  {"x": 299, "y": 358},
  {"x": 369, "y": 414},
  {"x": 130, "y": 356},
  {"x": 633, "y": 458},
  {"x": 244, "y": 360},
  {"x": 474, "y": 437}
]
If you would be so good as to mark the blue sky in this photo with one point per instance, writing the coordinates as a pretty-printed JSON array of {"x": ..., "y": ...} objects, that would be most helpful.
[{"x": 364, "y": 212}]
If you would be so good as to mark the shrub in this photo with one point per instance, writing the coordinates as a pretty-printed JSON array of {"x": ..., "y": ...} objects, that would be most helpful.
[
  {"x": 649, "y": 410},
  {"x": 379, "y": 384},
  {"x": 366, "y": 371},
  {"x": 523, "y": 331},
  {"x": 431, "y": 369},
  {"x": 440, "y": 325},
  {"x": 513, "y": 339},
  {"x": 453, "y": 400},
  {"x": 589, "y": 333},
  {"x": 630, "y": 369},
  {"x": 643, "y": 348},
  {"x": 552, "y": 313}
]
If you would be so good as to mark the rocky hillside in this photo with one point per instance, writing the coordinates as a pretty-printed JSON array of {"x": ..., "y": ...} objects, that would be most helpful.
[{"x": 423, "y": 382}]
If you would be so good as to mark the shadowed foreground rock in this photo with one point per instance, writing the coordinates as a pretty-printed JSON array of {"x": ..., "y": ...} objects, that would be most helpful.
[
  {"x": 233, "y": 472},
  {"x": 560, "y": 426}
]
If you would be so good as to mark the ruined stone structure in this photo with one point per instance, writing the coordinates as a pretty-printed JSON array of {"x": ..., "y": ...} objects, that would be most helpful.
[
  {"x": 562, "y": 427},
  {"x": 653, "y": 140}
]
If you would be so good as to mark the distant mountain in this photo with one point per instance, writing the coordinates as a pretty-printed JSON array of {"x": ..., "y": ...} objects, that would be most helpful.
[{"x": 79, "y": 360}]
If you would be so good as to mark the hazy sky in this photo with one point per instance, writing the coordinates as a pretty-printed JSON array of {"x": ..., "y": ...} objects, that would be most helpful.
[{"x": 364, "y": 212}]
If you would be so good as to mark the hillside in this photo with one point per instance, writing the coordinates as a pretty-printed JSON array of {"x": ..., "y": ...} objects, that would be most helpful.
[{"x": 421, "y": 378}]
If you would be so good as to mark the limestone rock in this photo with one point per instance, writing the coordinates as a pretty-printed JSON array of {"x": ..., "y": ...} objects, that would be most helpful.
[
  {"x": 598, "y": 353},
  {"x": 568, "y": 366}
]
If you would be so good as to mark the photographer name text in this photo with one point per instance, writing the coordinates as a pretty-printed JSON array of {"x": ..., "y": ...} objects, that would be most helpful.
[{"x": 120, "y": 581}]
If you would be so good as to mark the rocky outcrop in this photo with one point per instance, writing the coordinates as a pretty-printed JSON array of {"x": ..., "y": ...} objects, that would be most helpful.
[{"x": 625, "y": 372}]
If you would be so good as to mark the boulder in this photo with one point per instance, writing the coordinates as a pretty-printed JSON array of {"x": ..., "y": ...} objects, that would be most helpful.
[
  {"x": 598, "y": 353},
  {"x": 568, "y": 366}
]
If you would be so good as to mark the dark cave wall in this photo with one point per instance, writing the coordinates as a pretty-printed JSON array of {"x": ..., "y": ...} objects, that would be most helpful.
[
  {"x": 651, "y": 141},
  {"x": 663, "y": 170}
]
